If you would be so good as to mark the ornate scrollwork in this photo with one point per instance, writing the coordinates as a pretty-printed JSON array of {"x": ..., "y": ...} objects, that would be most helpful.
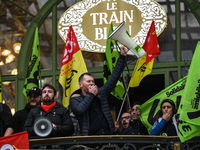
[{"x": 150, "y": 10}]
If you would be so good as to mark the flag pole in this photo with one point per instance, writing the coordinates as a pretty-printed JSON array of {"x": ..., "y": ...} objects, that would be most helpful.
[
  {"x": 126, "y": 93},
  {"x": 122, "y": 103},
  {"x": 127, "y": 89}
]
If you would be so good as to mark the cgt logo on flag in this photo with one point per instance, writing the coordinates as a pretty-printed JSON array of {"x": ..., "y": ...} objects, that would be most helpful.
[
  {"x": 68, "y": 49},
  {"x": 8, "y": 147},
  {"x": 15, "y": 141}
]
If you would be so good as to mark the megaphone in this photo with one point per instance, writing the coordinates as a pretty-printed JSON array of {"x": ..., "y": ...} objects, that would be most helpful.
[
  {"x": 42, "y": 127},
  {"x": 121, "y": 35}
]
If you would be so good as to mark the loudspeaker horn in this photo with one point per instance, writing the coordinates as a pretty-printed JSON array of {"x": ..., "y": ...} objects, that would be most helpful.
[
  {"x": 42, "y": 127},
  {"x": 121, "y": 35}
]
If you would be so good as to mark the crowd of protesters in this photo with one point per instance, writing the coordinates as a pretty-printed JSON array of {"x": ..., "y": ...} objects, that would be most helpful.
[{"x": 90, "y": 113}]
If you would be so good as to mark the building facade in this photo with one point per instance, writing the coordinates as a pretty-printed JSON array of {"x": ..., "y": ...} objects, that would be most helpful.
[{"x": 19, "y": 19}]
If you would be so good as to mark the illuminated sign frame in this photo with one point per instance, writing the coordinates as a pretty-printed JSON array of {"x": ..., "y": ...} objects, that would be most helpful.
[{"x": 91, "y": 19}]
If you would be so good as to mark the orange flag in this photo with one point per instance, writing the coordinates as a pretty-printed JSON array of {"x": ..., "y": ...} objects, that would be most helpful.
[
  {"x": 144, "y": 65},
  {"x": 151, "y": 45},
  {"x": 15, "y": 141},
  {"x": 72, "y": 66}
]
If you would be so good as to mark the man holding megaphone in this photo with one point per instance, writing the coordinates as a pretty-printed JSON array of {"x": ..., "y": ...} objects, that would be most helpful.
[
  {"x": 49, "y": 119},
  {"x": 91, "y": 106}
]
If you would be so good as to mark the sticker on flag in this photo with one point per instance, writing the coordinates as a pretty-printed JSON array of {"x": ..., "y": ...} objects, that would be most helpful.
[{"x": 15, "y": 141}]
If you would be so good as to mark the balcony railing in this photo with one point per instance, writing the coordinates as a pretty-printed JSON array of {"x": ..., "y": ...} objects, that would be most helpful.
[{"x": 116, "y": 142}]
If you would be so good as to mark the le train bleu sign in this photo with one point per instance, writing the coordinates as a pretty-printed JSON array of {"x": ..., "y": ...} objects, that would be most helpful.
[{"x": 91, "y": 20}]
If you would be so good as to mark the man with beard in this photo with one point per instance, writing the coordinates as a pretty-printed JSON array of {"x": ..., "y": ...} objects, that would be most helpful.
[
  {"x": 54, "y": 111},
  {"x": 20, "y": 116}
]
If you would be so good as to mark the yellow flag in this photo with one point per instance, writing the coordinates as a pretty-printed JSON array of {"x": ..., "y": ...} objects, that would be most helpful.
[
  {"x": 72, "y": 66},
  {"x": 145, "y": 64},
  {"x": 140, "y": 71}
]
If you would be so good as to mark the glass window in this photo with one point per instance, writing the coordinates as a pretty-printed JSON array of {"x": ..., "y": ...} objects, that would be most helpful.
[
  {"x": 173, "y": 77},
  {"x": 16, "y": 17},
  {"x": 185, "y": 69},
  {"x": 190, "y": 33},
  {"x": 45, "y": 42},
  {"x": 8, "y": 94},
  {"x": 45, "y": 80}
]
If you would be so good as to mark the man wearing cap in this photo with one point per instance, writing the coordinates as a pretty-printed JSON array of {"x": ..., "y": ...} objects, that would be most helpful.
[{"x": 20, "y": 116}]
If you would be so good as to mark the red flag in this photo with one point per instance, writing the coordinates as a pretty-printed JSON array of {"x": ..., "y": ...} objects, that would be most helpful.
[
  {"x": 15, "y": 141},
  {"x": 72, "y": 66},
  {"x": 71, "y": 46},
  {"x": 151, "y": 45},
  {"x": 145, "y": 63}
]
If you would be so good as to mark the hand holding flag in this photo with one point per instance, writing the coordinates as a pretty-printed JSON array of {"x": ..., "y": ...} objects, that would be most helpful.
[{"x": 150, "y": 109}]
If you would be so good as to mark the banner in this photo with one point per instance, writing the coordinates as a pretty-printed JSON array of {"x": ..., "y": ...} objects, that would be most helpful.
[
  {"x": 34, "y": 67},
  {"x": 15, "y": 141},
  {"x": 111, "y": 56},
  {"x": 144, "y": 65},
  {"x": 189, "y": 108},
  {"x": 149, "y": 110},
  {"x": 72, "y": 66}
]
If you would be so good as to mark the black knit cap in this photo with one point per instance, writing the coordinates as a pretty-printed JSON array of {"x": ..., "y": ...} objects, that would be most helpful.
[
  {"x": 35, "y": 91},
  {"x": 169, "y": 101}
]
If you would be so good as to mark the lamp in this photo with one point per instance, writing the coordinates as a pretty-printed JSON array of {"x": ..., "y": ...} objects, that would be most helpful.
[
  {"x": 1, "y": 63},
  {"x": 13, "y": 111},
  {"x": 6, "y": 82},
  {"x": 17, "y": 47},
  {"x": 14, "y": 72},
  {"x": 10, "y": 58},
  {"x": 6, "y": 52}
]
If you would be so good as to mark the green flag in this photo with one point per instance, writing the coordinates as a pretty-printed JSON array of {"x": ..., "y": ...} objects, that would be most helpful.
[
  {"x": 189, "y": 107},
  {"x": 149, "y": 110},
  {"x": 34, "y": 68},
  {"x": 111, "y": 56}
]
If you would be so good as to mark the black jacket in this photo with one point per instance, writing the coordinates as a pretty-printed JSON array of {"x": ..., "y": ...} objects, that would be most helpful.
[
  {"x": 20, "y": 117},
  {"x": 59, "y": 115},
  {"x": 5, "y": 118},
  {"x": 80, "y": 106}
]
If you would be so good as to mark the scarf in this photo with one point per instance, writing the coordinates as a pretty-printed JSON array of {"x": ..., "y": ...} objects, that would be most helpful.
[{"x": 48, "y": 107}]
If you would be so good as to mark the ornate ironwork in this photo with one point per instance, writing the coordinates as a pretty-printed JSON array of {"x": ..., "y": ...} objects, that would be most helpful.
[{"x": 116, "y": 142}]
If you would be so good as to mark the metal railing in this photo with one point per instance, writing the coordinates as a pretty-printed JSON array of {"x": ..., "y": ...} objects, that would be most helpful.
[{"x": 116, "y": 142}]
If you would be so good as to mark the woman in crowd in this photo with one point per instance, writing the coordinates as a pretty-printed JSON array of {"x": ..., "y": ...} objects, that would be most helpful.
[{"x": 167, "y": 122}]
